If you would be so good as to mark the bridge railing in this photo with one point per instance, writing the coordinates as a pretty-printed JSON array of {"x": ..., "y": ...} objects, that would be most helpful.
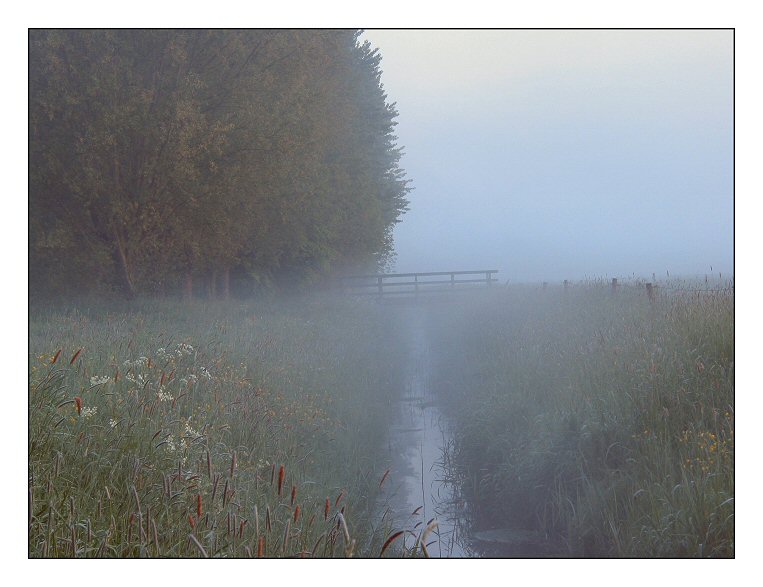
[{"x": 380, "y": 284}]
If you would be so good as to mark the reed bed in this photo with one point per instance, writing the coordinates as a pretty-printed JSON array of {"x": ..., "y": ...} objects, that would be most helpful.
[{"x": 602, "y": 421}]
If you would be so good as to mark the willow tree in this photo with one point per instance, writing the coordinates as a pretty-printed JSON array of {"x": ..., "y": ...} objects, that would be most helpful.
[{"x": 164, "y": 159}]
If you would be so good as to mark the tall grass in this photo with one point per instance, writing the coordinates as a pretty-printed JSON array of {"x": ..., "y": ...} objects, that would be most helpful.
[
  {"x": 217, "y": 430},
  {"x": 603, "y": 422}
]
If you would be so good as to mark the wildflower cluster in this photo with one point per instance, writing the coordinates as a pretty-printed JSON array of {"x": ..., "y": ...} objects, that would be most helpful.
[
  {"x": 95, "y": 380},
  {"x": 164, "y": 396},
  {"x": 88, "y": 412},
  {"x": 137, "y": 363},
  {"x": 706, "y": 450}
]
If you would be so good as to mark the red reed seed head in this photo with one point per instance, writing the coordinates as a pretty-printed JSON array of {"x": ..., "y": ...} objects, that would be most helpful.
[
  {"x": 293, "y": 493},
  {"x": 74, "y": 358},
  {"x": 326, "y": 509},
  {"x": 261, "y": 547},
  {"x": 191, "y": 521},
  {"x": 281, "y": 475},
  {"x": 55, "y": 357},
  {"x": 198, "y": 506},
  {"x": 296, "y": 513},
  {"x": 78, "y": 404}
]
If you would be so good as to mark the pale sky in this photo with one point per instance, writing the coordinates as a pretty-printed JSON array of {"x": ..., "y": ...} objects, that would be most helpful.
[{"x": 555, "y": 155}]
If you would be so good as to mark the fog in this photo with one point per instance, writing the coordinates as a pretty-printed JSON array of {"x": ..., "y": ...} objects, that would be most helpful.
[{"x": 555, "y": 155}]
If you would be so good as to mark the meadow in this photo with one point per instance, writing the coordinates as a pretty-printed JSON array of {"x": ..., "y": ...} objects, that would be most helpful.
[
  {"x": 600, "y": 423},
  {"x": 162, "y": 429}
]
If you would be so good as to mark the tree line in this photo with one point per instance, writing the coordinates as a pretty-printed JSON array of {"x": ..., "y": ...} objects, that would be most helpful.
[{"x": 166, "y": 161}]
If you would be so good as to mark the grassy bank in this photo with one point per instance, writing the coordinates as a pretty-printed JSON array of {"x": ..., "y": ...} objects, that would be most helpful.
[
  {"x": 239, "y": 429},
  {"x": 605, "y": 423}
]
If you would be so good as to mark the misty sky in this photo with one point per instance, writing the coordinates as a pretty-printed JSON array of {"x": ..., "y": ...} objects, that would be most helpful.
[{"x": 555, "y": 155}]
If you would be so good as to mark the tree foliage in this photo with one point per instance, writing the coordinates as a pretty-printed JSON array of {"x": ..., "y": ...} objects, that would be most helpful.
[{"x": 163, "y": 160}]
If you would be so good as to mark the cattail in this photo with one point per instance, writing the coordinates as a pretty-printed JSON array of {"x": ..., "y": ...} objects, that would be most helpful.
[
  {"x": 74, "y": 358},
  {"x": 384, "y": 477},
  {"x": 261, "y": 547},
  {"x": 390, "y": 540},
  {"x": 55, "y": 357},
  {"x": 339, "y": 497},
  {"x": 281, "y": 475},
  {"x": 172, "y": 374},
  {"x": 241, "y": 528},
  {"x": 161, "y": 380},
  {"x": 293, "y": 493},
  {"x": 78, "y": 404},
  {"x": 268, "y": 527},
  {"x": 326, "y": 509},
  {"x": 191, "y": 521},
  {"x": 296, "y": 514},
  {"x": 198, "y": 506}
]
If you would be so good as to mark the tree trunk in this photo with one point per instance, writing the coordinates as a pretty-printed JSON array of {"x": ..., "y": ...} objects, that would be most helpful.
[
  {"x": 188, "y": 294},
  {"x": 226, "y": 283},
  {"x": 213, "y": 285},
  {"x": 124, "y": 266}
]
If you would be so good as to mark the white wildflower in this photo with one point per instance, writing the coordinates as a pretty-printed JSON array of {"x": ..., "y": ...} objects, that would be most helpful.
[
  {"x": 192, "y": 379},
  {"x": 183, "y": 444},
  {"x": 164, "y": 396},
  {"x": 190, "y": 431},
  {"x": 99, "y": 380},
  {"x": 113, "y": 423},
  {"x": 140, "y": 381},
  {"x": 183, "y": 349},
  {"x": 169, "y": 445},
  {"x": 206, "y": 373},
  {"x": 88, "y": 412}
]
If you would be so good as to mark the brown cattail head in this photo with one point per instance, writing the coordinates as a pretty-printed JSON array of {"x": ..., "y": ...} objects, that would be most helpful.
[
  {"x": 55, "y": 357},
  {"x": 296, "y": 514},
  {"x": 293, "y": 493},
  {"x": 198, "y": 506},
  {"x": 281, "y": 475},
  {"x": 326, "y": 509},
  {"x": 161, "y": 381},
  {"x": 78, "y": 404},
  {"x": 74, "y": 358},
  {"x": 261, "y": 547},
  {"x": 191, "y": 521},
  {"x": 339, "y": 497}
]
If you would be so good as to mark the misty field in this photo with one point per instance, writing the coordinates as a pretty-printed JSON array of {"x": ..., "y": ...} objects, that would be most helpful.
[{"x": 601, "y": 423}]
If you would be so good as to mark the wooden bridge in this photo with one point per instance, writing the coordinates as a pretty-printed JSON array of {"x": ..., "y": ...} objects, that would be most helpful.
[{"x": 381, "y": 284}]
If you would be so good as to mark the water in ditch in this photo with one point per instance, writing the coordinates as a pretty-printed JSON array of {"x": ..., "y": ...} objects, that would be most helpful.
[{"x": 420, "y": 486}]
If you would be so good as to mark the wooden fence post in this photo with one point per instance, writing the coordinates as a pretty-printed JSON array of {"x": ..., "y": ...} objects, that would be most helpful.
[{"x": 650, "y": 292}]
